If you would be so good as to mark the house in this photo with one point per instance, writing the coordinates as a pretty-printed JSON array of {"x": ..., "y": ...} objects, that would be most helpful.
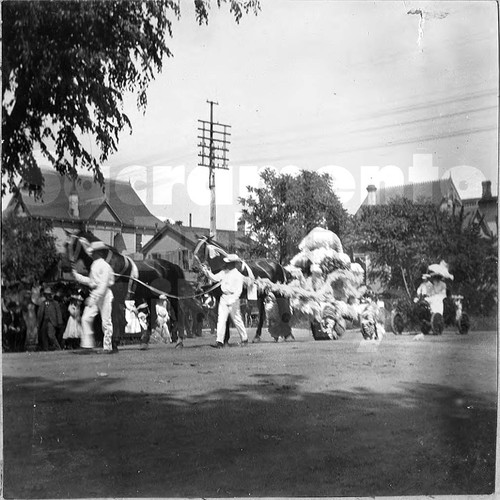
[
  {"x": 176, "y": 243},
  {"x": 117, "y": 216},
  {"x": 483, "y": 211},
  {"x": 442, "y": 193}
]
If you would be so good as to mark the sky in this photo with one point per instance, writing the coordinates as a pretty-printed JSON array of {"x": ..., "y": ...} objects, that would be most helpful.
[{"x": 370, "y": 92}]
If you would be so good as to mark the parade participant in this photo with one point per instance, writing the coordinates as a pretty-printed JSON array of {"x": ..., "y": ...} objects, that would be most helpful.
[
  {"x": 49, "y": 320},
  {"x": 231, "y": 282},
  {"x": 100, "y": 280},
  {"x": 423, "y": 289},
  {"x": 436, "y": 293},
  {"x": 73, "y": 332}
]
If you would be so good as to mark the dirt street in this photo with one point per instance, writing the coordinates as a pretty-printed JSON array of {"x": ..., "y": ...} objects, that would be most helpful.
[{"x": 303, "y": 418}]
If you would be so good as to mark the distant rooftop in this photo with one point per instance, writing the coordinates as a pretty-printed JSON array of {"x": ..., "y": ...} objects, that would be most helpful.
[
  {"x": 430, "y": 191},
  {"x": 119, "y": 197}
]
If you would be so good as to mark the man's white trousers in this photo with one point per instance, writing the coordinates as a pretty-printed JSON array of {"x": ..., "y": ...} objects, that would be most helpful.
[
  {"x": 103, "y": 305},
  {"x": 232, "y": 310}
]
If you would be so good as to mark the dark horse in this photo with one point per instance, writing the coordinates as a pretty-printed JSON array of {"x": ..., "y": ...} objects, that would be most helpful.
[
  {"x": 140, "y": 280},
  {"x": 210, "y": 252}
]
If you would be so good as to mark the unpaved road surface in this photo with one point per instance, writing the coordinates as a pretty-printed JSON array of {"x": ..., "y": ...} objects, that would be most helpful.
[{"x": 302, "y": 418}]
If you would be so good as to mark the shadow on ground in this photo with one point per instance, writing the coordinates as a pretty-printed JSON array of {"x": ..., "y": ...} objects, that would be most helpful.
[{"x": 266, "y": 438}]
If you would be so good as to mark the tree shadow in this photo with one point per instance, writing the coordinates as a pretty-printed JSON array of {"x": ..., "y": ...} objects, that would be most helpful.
[{"x": 268, "y": 437}]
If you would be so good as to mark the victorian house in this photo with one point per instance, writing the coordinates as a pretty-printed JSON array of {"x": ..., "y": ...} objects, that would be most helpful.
[{"x": 116, "y": 215}]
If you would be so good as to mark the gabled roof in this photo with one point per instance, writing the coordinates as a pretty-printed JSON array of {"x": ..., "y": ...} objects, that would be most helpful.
[
  {"x": 189, "y": 236},
  {"x": 488, "y": 208},
  {"x": 430, "y": 191},
  {"x": 119, "y": 199}
]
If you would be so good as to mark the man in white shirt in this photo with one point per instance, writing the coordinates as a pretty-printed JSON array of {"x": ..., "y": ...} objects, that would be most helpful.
[
  {"x": 231, "y": 283},
  {"x": 100, "y": 280}
]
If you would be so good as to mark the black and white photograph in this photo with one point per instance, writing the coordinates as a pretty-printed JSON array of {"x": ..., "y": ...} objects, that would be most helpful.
[{"x": 249, "y": 248}]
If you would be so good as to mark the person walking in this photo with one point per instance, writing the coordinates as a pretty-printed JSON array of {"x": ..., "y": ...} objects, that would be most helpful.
[
  {"x": 100, "y": 280},
  {"x": 231, "y": 283}
]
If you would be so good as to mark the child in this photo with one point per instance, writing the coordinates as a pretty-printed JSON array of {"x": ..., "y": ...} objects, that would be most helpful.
[{"x": 73, "y": 332}]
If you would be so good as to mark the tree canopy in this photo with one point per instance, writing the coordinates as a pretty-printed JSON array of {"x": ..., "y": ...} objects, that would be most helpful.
[
  {"x": 403, "y": 237},
  {"x": 285, "y": 208},
  {"x": 28, "y": 249},
  {"x": 66, "y": 66}
]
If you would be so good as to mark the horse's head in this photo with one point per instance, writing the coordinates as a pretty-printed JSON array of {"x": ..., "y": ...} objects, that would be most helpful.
[
  {"x": 209, "y": 252},
  {"x": 82, "y": 246}
]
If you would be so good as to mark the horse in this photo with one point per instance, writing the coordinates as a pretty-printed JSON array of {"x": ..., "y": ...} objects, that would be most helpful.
[
  {"x": 141, "y": 280},
  {"x": 212, "y": 253}
]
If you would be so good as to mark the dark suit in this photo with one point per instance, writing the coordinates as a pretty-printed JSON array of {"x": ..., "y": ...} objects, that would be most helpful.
[{"x": 49, "y": 320}]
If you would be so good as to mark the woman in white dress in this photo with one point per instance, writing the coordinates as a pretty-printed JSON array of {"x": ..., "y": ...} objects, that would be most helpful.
[
  {"x": 73, "y": 332},
  {"x": 132, "y": 317},
  {"x": 162, "y": 318}
]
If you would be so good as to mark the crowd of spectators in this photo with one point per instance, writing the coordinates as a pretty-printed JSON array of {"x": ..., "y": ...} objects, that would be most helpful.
[{"x": 35, "y": 316}]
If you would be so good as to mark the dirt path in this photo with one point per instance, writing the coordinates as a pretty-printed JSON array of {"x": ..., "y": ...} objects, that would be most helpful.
[{"x": 305, "y": 418}]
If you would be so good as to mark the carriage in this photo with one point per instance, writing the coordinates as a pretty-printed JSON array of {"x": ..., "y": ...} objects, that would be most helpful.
[
  {"x": 433, "y": 308},
  {"x": 408, "y": 315}
]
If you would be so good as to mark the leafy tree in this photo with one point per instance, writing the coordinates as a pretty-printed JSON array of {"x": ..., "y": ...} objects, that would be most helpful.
[
  {"x": 65, "y": 68},
  {"x": 403, "y": 237},
  {"x": 397, "y": 238},
  {"x": 286, "y": 208},
  {"x": 28, "y": 249},
  {"x": 473, "y": 261}
]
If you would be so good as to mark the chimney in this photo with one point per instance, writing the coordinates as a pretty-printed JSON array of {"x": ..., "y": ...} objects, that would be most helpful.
[
  {"x": 190, "y": 220},
  {"x": 73, "y": 202},
  {"x": 372, "y": 195},
  {"x": 486, "y": 190}
]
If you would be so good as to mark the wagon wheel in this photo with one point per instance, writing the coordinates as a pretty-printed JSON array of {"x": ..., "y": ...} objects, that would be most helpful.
[
  {"x": 398, "y": 322},
  {"x": 425, "y": 327},
  {"x": 437, "y": 323},
  {"x": 318, "y": 332},
  {"x": 463, "y": 324},
  {"x": 340, "y": 328}
]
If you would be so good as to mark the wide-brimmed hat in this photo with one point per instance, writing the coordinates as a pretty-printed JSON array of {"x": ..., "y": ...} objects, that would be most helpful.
[
  {"x": 47, "y": 290},
  {"x": 232, "y": 257},
  {"x": 77, "y": 297},
  {"x": 440, "y": 270},
  {"x": 162, "y": 297}
]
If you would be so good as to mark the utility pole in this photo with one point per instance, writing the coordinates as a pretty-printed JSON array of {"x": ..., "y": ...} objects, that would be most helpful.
[{"x": 213, "y": 153}]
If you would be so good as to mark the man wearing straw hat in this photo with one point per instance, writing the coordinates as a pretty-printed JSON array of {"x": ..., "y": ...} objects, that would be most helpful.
[{"x": 231, "y": 283}]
